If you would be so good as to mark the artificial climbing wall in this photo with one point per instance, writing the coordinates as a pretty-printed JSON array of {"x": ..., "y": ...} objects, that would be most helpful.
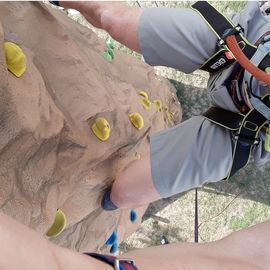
[{"x": 72, "y": 117}]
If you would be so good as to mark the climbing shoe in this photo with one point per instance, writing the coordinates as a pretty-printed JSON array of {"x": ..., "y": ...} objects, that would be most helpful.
[{"x": 106, "y": 202}]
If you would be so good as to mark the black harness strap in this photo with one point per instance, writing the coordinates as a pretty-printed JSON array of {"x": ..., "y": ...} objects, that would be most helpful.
[
  {"x": 222, "y": 27},
  {"x": 245, "y": 127},
  {"x": 212, "y": 16},
  {"x": 247, "y": 137},
  {"x": 245, "y": 131},
  {"x": 227, "y": 119}
]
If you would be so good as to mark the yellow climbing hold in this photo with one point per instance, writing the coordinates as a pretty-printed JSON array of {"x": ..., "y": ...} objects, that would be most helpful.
[
  {"x": 144, "y": 94},
  {"x": 101, "y": 129},
  {"x": 146, "y": 103},
  {"x": 170, "y": 115},
  {"x": 59, "y": 224},
  {"x": 137, "y": 120},
  {"x": 158, "y": 105},
  {"x": 15, "y": 59}
]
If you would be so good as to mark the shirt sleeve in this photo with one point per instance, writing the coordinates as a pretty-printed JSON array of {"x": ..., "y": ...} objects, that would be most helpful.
[{"x": 177, "y": 38}]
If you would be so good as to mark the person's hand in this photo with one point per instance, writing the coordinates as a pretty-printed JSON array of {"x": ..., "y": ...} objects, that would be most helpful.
[
  {"x": 92, "y": 10},
  {"x": 119, "y": 20}
]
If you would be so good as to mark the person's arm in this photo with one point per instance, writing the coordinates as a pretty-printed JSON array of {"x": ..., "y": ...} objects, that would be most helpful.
[
  {"x": 118, "y": 19},
  {"x": 23, "y": 249},
  {"x": 174, "y": 37}
]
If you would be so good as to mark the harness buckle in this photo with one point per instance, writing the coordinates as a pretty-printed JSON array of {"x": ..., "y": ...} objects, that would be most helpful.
[
  {"x": 265, "y": 39},
  {"x": 228, "y": 32},
  {"x": 117, "y": 262},
  {"x": 221, "y": 43},
  {"x": 238, "y": 29},
  {"x": 250, "y": 126}
]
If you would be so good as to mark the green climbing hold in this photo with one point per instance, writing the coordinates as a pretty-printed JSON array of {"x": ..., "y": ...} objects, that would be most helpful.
[
  {"x": 109, "y": 53},
  {"x": 107, "y": 56},
  {"x": 110, "y": 44}
]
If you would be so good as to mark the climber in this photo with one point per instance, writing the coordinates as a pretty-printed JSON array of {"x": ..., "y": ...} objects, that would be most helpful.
[
  {"x": 209, "y": 147},
  {"x": 22, "y": 248}
]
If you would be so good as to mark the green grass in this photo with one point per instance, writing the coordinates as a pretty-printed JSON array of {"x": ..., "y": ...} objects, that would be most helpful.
[{"x": 247, "y": 219}]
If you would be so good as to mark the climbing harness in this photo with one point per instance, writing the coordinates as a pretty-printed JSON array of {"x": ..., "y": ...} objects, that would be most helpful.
[
  {"x": 116, "y": 263},
  {"x": 248, "y": 74}
]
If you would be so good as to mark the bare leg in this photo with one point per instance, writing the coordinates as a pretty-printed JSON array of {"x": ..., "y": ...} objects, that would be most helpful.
[
  {"x": 134, "y": 186},
  {"x": 246, "y": 249}
]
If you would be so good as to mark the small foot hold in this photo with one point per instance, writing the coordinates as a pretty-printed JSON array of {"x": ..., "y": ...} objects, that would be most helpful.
[
  {"x": 158, "y": 105},
  {"x": 146, "y": 103},
  {"x": 110, "y": 44},
  {"x": 133, "y": 215},
  {"x": 108, "y": 55},
  {"x": 137, "y": 120},
  {"x": 114, "y": 248},
  {"x": 106, "y": 202},
  {"x": 144, "y": 94},
  {"x": 101, "y": 129},
  {"x": 59, "y": 224},
  {"x": 112, "y": 239}
]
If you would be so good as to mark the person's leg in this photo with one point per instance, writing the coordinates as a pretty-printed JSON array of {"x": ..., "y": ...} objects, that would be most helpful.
[
  {"x": 242, "y": 250},
  {"x": 134, "y": 186},
  {"x": 181, "y": 158}
]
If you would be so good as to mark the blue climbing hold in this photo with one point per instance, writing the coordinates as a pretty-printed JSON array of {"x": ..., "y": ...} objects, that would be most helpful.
[
  {"x": 112, "y": 239},
  {"x": 106, "y": 202},
  {"x": 133, "y": 215},
  {"x": 114, "y": 248}
]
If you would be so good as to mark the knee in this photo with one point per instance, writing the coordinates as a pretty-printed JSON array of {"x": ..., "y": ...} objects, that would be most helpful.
[{"x": 121, "y": 196}]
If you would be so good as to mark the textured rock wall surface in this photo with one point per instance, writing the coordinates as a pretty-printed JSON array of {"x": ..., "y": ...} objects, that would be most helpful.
[{"x": 49, "y": 157}]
